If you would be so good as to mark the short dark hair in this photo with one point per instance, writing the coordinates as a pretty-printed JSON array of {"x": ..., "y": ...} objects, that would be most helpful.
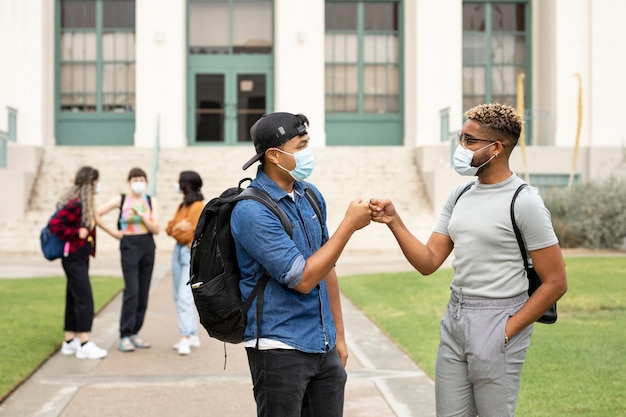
[{"x": 137, "y": 172}]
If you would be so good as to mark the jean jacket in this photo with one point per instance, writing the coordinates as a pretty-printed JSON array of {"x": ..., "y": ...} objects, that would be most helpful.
[{"x": 302, "y": 321}]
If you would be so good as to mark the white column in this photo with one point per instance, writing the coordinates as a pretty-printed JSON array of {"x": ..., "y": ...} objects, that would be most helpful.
[
  {"x": 572, "y": 55},
  {"x": 26, "y": 73},
  {"x": 299, "y": 62},
  {"x": 161, "y": 75},
  {"x": 433, "y": 68}
]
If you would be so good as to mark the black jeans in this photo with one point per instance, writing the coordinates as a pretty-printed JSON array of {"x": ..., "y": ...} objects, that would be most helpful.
[
  {"x": 137, "y": 258},
  {"x": 78, "y": 296},
  {"x": 291, "y": 383}
]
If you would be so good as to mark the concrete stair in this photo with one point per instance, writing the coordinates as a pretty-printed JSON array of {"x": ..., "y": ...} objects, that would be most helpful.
[{"x": 341, "y": 173}]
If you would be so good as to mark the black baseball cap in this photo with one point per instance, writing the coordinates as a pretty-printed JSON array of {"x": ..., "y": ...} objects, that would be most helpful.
[{"x": 274, "y": 129}]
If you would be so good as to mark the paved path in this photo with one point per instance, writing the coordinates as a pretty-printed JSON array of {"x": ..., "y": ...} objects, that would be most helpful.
[{"x": 382, "y": 380}]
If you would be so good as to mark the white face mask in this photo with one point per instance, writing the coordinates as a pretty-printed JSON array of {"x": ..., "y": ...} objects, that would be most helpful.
[
  {"x": 177, "y": 188},
  {"x": 98, "y": 189},
  {"x": 138, "y": 187},
  {"x": 462, "y": 160}
]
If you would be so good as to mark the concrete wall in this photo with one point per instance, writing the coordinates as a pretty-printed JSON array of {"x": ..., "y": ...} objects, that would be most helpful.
[{"x": 17, "y": 180}]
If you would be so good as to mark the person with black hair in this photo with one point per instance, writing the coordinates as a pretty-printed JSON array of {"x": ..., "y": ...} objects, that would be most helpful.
[
  {"x": 138, "y": 221},
  {"x": 74, "y": 222},
  {"x": 182, "y": 228},
  {"x": 295, "y": 341}
]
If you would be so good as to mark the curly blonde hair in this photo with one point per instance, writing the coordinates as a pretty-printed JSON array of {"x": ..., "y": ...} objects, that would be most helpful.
[
  {"x": 502, "y": 120},
  {"x": 83, "y": 188}
]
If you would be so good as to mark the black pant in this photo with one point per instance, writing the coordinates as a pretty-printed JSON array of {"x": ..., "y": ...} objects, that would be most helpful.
[
  {"x": 137, "y": 256},
  {"x": 290, "y": 383},
  {"x": 78, "y": 296}
]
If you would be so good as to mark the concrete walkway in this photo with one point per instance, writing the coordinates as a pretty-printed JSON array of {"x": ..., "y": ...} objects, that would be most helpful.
[{"x": 382, "y": 380}]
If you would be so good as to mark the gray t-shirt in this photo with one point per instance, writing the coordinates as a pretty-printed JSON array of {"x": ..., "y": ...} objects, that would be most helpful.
[{"x": 487, "y": 260}]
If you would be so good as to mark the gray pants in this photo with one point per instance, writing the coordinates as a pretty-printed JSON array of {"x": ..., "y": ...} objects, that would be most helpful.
[{"x": 475, "y": 373}]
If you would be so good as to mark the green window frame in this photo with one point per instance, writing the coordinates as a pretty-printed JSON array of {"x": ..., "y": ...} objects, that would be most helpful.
[
  {"x": 95, "y": 72},
  {"x": 97, "y": 56},
  {"x": 496, "y": 51},
  {"x": 364, "y": 72},
  {"x": 362, "y": 57}
]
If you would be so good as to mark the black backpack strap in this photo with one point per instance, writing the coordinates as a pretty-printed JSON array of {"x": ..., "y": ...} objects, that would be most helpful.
[
  {"x": 119, "y": 218},
  {"x": 463, "y": 191},
  {"x": 262, "y": 197},
  {"x": 315, "y": 203},
  {"x": 518, "y": 233}
]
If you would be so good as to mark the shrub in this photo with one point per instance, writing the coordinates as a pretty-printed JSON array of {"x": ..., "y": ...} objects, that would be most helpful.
[{"x": 591, "y": 215}]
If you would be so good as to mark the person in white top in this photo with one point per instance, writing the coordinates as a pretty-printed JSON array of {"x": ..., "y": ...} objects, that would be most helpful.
[{"x": 485, "y": 332}]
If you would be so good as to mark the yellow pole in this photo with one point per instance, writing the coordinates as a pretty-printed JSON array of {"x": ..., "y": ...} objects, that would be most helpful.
[
  {"x": 578, "y": 126},
  {"x": 520, "y": 110}
]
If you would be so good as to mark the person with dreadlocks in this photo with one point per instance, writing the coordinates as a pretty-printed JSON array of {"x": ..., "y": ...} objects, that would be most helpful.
[
  {"x": 485, "y": 332},
  {"x": 75, "y": 224}
]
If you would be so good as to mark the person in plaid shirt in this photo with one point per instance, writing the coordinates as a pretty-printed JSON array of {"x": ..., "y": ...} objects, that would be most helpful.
[{"x": 74, "y": 223}]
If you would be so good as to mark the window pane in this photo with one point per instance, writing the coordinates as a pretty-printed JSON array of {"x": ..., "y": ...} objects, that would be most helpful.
[
  {"x": 474, "y": 80},
  {"x": 118, "y": 14},
  {"x": 78, "y": 46},
  {"x": 380, "y": 79},
  {"x": 252, "y": 27},
  {"x": 504, "y": 80},
  {"x": 78, "y": 78},
  {"x": 341, "y": 103},
  {"x": 341, "y": 16},
  {"x": 209, "y": 25},
  {"x": 78, "y": 13},
  {"x": 341, "y": 48},
  {"x": 507, "y": 17},
  {"x": 381, "y": 16},
  {"x": 118, "y": 46},
  {"x": 341, "y": 79},
  {"x": 508, "y": 49},
  {"x": 474, "y": 17},
  {"x": 474, "y": 50},
  {"x": 380, "y": 48}
]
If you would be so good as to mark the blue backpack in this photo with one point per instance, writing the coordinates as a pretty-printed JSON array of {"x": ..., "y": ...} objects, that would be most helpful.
[{"x": 51, "y": 245}]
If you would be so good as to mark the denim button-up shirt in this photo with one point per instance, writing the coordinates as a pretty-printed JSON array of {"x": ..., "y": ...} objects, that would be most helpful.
[{"x": 303, "y": 321}]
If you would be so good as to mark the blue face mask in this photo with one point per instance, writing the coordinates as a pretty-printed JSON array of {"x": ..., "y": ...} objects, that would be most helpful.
[{"x": 305, "y": 162}]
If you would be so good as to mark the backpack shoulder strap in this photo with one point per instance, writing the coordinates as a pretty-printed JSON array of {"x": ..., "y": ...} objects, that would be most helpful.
[
  {"x": 463, "y": 191},
  {"x": 149, "y": 198},
  {"x": 315, "y": 203},
  {"x": 518, "y": 233},
  {"x": 262, "y": 197},
  {"x": 119, "y": 217}
]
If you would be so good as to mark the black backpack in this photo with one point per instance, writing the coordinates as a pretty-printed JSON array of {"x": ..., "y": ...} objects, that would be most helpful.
[{"x": 214, "y": 272}]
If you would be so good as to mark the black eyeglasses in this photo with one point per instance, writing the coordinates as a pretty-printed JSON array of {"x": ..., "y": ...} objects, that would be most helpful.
[{"x": 467, "y": 141}]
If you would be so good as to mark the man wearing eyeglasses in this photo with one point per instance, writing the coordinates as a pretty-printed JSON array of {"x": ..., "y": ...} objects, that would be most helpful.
[{"x": 486, "y": 329}]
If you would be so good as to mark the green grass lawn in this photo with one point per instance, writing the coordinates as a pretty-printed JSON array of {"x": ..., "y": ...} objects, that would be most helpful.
[
  {"x": 32, "y": 322},
  {"x": 576, "y": 367}
]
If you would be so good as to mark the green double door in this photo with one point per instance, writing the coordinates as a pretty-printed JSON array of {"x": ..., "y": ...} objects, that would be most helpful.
[{"x": 224, "y": 101}]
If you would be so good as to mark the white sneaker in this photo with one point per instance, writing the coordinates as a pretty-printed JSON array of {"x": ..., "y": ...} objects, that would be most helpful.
[
  {"x": 194, "y": 342},
  {"x": 90, "y": 351},
  {"x": 70, "y": 348},
  {"x": 183, "y": 346}
]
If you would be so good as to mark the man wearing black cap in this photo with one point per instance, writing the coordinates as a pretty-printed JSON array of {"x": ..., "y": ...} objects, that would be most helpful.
[{"x": 297, "y": 360}]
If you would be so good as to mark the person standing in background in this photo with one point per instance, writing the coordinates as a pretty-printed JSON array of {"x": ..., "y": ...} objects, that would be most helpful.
[
  {"x": 137, "y": 223},
  {"x": 182, "y": 228},
  {"x": 74, "y": 223}
]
